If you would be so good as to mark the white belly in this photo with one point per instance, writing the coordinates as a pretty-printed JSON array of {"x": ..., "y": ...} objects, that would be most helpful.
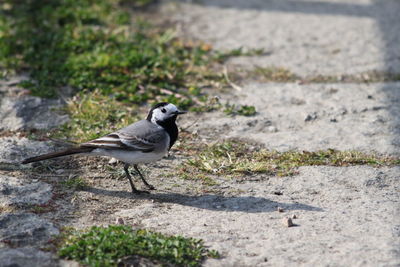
[{"x": 130, "y": 157}]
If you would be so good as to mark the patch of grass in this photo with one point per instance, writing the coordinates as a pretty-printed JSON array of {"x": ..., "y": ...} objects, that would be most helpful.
[
  {"x": 105, "y": 246},
  {"x": 89, "y": 45},
  {"x": 275, "y": 74},
  {"x": 92, "y": 115},
  {"x": 222, "y": 56},
  {"x": 75, "y": 183},
  {"x": 235, "y": 157},
  {"x": 365, "y": 77},
  {"x": 112, "y": 63},
  {"x": 244, "y": 110},
  {"x": 279, "y": 74},
  {"x": 210, "y": 104},
  {"x": 204, "y": 179}
]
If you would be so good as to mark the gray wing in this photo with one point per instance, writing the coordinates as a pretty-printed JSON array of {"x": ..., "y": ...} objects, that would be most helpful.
[{"x": 142, "y": 136}]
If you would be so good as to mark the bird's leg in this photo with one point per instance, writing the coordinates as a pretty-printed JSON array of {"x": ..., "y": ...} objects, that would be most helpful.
[
  {"x": 134, "y": 190},
  {"x": 149, "y": 186}
]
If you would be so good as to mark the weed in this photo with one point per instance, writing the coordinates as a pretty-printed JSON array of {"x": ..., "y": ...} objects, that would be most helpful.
[
  {"x": 93, "y": 114},
  {"x": 105, "y": 246},
  {"x": 279, "y": 74},
  {"x": 234, "y": 157},
  {"x": 244, "y": 110},
  {"x": 43, "y": 208},
  {"x": 276, "y": 74},
  {"x": 204, "y": 179},
  {"x": 365, "y": 77},
  {"x": 76, "y": 183},
  {"x": 222, "y": 56}
]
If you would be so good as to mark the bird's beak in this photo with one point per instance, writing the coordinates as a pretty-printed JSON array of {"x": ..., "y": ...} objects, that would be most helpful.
[{"x": 179, "y": 112}]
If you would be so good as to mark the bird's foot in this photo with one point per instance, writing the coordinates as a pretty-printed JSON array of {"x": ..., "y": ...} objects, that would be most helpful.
[{"x": 150, "y": 187}]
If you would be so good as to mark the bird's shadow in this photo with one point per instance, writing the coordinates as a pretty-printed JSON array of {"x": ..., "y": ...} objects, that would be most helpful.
[{"x": 248, "y": 204}]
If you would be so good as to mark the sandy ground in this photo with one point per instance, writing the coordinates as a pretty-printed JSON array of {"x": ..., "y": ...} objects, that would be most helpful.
[
  {"x": 363, "y": 117},
  {"x": 329, "y": 37},
  {"x": 343, "y": 215}
]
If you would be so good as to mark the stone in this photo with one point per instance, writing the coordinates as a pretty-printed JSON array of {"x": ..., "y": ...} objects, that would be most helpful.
[
  {"x": 29, "y": 112},
  {"x": 10, "y": 85},
  {"x": 311, "y": 116},
  {"x": 25, "y": 229},
  {"x": 17, "y": 191},
  {"x": 14, "y": 150},
  {"x": 21, "y": 257},
  {"x": 119, "y": 220},
  {"x": 287, "y": 222}
]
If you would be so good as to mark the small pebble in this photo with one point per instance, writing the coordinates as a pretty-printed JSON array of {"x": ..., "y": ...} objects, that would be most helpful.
[
  {"x": 113, "y": 161},
  {"x": 366, "y": 77},
  {"x": 287, "y": 222},
  {"x": 119, "y": 221},
  {"x": 311, "y": 117},
  {"x": 272, "y": 129},
  {"x": 294, "y": 216},
  {"x": 59, "y": 171},
  {"x": 280, "y": 209},
  {"x": 377, "y": 108}
]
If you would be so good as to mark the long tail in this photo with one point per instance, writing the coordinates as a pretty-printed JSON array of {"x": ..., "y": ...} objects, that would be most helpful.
[{"x": 70, "y": 151}]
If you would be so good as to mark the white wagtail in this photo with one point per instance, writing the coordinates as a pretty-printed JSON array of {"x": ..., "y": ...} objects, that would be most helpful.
[{"x": 141, "y": 142}]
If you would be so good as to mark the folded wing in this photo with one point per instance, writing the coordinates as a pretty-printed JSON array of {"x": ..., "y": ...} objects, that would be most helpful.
[{"x": 129, "y": 140}]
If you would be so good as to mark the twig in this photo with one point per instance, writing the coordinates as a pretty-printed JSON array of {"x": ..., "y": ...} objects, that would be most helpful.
[{"x": 233, "y": 85}]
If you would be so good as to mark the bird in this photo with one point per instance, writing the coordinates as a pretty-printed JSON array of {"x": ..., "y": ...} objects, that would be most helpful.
[{"x": 144, "y": 141}]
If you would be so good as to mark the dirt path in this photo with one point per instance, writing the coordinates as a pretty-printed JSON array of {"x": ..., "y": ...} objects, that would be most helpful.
[{"x": 347, "y": 216}]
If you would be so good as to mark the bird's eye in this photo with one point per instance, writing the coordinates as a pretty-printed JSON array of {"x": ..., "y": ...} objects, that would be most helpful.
[{"x": 163, "y": 110}]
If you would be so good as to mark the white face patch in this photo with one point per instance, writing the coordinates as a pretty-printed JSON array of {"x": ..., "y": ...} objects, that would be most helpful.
[{"x": 163, "y": 113}]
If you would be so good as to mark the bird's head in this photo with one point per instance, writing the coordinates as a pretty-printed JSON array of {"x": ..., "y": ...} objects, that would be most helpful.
[{"x": 162, "y": 112}]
